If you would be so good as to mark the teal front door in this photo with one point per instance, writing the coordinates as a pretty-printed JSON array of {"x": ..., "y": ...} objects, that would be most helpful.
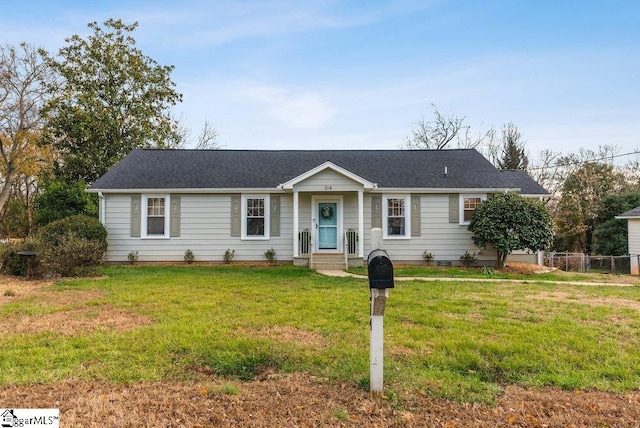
[{"x": 327, "y": 225}]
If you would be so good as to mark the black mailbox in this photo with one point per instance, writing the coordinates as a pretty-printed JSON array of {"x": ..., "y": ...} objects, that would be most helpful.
[{"x": 380, "y": 270}]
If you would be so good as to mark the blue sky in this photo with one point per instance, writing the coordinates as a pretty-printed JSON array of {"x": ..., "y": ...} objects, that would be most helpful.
[{"x": 278, "y": 74}]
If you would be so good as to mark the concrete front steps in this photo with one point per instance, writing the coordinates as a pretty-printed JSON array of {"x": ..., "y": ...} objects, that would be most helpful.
[{"x": 328, "y": 261}]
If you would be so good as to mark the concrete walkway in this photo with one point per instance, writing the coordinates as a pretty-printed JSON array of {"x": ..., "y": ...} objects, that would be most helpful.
[{"x": 341, "y": 273}]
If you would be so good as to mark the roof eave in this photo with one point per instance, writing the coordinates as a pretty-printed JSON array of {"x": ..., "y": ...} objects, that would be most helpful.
[{"x": 189, "y": 190}]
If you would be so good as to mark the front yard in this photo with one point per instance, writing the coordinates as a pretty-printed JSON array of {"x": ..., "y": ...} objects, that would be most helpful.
[{"x": 215, "y": 336}]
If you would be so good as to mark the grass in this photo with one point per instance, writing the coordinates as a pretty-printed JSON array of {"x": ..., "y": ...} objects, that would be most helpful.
[
  {"x": 457, "y": 340},
  {"x": 473, "y": 272}
]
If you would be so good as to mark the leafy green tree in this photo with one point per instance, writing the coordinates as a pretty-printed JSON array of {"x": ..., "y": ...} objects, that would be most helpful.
[
  {"x": 581, "y": 194},
  {"x": 508, "y": 222},
  {"x": 610, "y": 234},
  {"x": 60, "y": 200},
  {"x": 514, "y": 155},
  {"x": 112, "y": 99}
]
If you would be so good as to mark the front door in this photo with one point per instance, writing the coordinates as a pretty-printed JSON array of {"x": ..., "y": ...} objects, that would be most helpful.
[{"x": 327, "y": 215}]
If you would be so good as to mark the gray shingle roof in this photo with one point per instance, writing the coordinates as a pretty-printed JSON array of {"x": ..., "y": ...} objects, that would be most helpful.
[
  {"x": 631, "y": 213},
  {"x": 519, "y": 179},
  {"x": 220, "y": 169}
]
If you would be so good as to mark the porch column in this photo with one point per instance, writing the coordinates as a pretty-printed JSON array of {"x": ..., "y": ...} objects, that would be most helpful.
[
  {"x": 296, "y": 252},
  {"x": 360, "y": 223}
]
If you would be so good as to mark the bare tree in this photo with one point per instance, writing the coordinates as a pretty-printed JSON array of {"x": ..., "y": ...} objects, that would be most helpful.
[
  {"x": 23, "y": 77},
  {"x": 208, "y": 137},
  {"x": 435, "y": 134},
  {"x": 445, "y": 131}
]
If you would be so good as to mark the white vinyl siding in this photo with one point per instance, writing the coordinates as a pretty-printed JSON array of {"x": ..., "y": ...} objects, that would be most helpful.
[
  {"x": 328, "y": 181},
  {"x": 634, "y": 244},
  {"x": 204, "y": 230},
  {"x": 634, "y": 236},
  {"x": 446, "y": 241},
  {"x": 205, "y": 222}
]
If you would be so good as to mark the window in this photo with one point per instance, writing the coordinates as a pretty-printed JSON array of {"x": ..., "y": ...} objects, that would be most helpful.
[
  {"x": 255, "y": 221},
  {"x": 468, "y": 205},
  {"x": 395, "y": 223},
  {"x": 155, "y": 218}
]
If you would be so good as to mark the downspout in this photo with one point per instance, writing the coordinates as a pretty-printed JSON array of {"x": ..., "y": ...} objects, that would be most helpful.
[{"x": 102, "y": 209}]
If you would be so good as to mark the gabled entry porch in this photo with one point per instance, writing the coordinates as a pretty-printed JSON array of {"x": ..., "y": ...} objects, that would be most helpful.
[{"x": 328, "y": 217}]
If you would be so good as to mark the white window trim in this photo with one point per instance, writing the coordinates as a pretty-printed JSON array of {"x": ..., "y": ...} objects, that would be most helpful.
[
  {"x": 385, "y": 216},
  {"x": 482, "y": 196},
  {"x": 267, "y": 218},
  {"x": 143, "y": 217}
]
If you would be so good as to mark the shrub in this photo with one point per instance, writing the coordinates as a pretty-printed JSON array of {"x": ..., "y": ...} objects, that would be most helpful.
[
  {"x": 427, "y": 257},
  {"x": 228, "y": 255},
  {"x": 72, "y": 246},
  {"x": 72, "y": 256},
  {"x": 270, "y": 255},
  {"x": 15, "y": 221},
  {"x": 14, "y": 264},
  {"x": 132, "y": 256},
  {"x": 468, "y": 259},
  {"x": 486, "y": 270},
  {"x": 189, "y": 257},
  {"x": 81, "y": 226}
]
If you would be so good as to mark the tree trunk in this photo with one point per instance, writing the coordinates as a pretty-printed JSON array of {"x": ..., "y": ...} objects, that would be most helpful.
[
  {"x": 501, "y": 259},
  {"x": 6, "y": 190}
]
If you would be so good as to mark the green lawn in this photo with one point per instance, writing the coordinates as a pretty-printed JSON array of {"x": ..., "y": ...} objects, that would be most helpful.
[
  {"x": 457, "y": 340},
  {"x": 490, "y": 273}
]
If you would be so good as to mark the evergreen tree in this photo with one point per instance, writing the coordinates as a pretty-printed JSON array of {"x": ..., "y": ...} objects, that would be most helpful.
[{"x": 113, "y": 99}]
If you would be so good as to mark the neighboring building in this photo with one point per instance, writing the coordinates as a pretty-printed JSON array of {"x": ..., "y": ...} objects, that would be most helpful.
[
  {"x": 633, "y": 222},
  {"x": 313, "y": 207}
]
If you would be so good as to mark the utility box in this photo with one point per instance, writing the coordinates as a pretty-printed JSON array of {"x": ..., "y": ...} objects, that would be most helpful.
[{"x": 380, "y": 270}]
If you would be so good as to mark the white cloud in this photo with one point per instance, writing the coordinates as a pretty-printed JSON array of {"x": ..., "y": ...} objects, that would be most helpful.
[{"x": 292, "y": 109}]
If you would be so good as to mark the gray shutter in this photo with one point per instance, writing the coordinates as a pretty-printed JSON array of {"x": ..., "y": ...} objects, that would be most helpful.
[
  {"x": 236, "y": 215},
  {"x": 135, "y": 216},
  {"x": 454, "y": 208},
  {"x": 274, "y": 225},
  {"x": 415, "y": 215},
  {"x": 174, "y": 223},
  {"x": 376, "y": 211}
]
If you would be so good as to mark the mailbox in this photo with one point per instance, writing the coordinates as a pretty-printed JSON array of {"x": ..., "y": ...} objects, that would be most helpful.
[{"x": 380, "y": 270}]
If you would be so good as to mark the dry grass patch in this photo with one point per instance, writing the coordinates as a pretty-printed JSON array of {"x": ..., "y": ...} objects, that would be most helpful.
[
  {"x": 72, "y": 316},
  {"x": 75, "y": 321},
  {"x": 19, "y": 288},
  {"x": 291, "y": 335},
  {"x": 581, "y": 298},
  {"x": 305, "y": 401}
]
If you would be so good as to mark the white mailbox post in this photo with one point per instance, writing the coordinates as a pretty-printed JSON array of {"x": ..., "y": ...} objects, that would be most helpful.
[{"x": 380, "y": 273}]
